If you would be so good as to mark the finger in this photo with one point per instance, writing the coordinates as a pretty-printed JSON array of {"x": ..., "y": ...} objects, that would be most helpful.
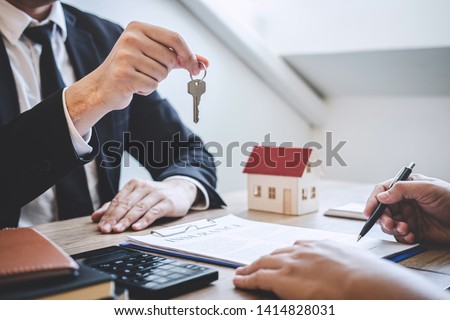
[
  {"x": 98, "y": 214},
  {"x": 372, "y": 201},
  {"x": 151, "y": 68},
  {"x": 260, "y": 280},
  {"x": 419, "y": 177},
  {"x": 265, "y": 262},
  {"x": 135, "y": 216},
  {"x": 408, "y": 238},
  {"x": 393, "y": 227},
  {"x": 305, "y": 243},
  {"x": 400, "y": 233},
  {"x": 387, "y": 224},
  {"x": 283, "y": 250},
  {"x": 159, "y": 210},
  {"x": 144, "y": 84},
  {"x": 140, "y": 80},
  {"x": 124, "y": 200},
  {"x": 185, "y": 58},
  {"x": 136, "y": 44},
  {"x": 403, "y": 190},
  {"x": 401, "y": 228},
  {"x": 141, "y": 64},
  {"x": 160, "y": 53},
  {"x": 204, "y": 60},
  {"x": 146, "y": 211}
]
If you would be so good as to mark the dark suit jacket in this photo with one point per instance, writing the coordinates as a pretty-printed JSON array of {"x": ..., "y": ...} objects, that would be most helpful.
[{"x": 36, "y": 150}]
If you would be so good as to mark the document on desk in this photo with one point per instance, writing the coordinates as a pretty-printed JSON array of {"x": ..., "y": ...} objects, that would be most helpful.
[{"x": 234, "y": 241}]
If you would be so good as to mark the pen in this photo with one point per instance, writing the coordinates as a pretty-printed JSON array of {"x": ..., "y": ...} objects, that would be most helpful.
[{"x": 402, "y": 175}]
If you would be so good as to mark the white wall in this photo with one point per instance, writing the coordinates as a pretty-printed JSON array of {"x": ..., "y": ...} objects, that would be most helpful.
[
  {"x": 237, "y": 107},
  {"x": 312, "y": 26},
  {"x": 386, "y": 133},
  {"x": 382, "y": 132}
]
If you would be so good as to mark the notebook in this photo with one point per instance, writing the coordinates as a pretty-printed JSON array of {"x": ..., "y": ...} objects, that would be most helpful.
[
  {"x": 351, "y": 210},
  {"x": 234, "y": 241},
  {"x": 27, "y": 255},
  {"x": 87, "y": 284}
]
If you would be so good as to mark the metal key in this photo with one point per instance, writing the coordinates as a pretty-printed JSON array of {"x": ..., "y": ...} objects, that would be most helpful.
[{"x": 197, "y": 87}]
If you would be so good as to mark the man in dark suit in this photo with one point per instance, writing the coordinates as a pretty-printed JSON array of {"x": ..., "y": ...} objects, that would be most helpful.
[{"x": 109, "y": 105}]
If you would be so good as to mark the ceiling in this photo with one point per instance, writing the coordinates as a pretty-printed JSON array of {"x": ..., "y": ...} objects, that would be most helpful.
[{"x": 386, "y": 72}]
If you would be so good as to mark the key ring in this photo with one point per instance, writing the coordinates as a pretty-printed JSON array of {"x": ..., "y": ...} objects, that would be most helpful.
[{"x": 204, "y": 76}]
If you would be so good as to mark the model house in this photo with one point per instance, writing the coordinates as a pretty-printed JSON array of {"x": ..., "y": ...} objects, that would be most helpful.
[{"x": 281, "y": 180}]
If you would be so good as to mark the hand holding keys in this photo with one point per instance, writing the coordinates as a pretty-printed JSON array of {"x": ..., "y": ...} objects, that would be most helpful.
[{"x": 197, "y": 87}]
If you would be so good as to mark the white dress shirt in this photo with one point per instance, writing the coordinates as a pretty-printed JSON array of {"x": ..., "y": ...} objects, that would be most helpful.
[{"x": 24, "y": 59}]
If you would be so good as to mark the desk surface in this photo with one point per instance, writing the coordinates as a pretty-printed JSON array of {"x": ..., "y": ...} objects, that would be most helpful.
[{"x": 80, "y": 234}]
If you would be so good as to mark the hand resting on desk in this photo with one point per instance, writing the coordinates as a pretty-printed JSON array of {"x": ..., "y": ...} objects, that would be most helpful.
[
  {"x": 418, "y": 209},
  {"x": 326, "y": 270},
  {"x": 141, "y": 202}
]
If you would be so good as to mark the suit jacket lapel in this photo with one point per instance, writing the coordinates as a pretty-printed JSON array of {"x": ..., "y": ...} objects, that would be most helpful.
[
  {"x": 9, "y": 101},
  {"x": 81, "y": 48}
]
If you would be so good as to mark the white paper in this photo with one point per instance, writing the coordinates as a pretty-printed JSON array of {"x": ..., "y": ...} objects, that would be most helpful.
[{"x": 241, "y": 241}]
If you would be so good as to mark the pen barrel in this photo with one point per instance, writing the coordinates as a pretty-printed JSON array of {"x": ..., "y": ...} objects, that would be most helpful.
[
  {"x": 401, "y": 176},
  {"x": 373, "y": 219},
  {"x": 404, "y": 175}
]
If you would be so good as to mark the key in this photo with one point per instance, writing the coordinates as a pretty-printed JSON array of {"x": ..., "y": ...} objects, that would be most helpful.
[{"x": 197, "y": 87}]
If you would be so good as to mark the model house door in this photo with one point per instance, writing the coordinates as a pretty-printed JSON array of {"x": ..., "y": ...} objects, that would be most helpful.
[{"x": 287, "y": 201}]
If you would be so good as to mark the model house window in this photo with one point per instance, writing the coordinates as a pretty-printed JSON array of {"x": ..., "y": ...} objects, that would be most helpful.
[
  {"x": 304, "y": 194},
  {"x": 257, "y": 191},
  {"x": 271, "y": 193},
  {"x": 313, "y": 192}
]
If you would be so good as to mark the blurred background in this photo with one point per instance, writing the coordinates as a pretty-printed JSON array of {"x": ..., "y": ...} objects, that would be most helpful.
[{"x": 373, "y": 74}]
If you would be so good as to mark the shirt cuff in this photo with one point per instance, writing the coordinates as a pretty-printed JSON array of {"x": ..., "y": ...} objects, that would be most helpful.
[
  {"x": 202, "y": 203},
  {"x": 80, "y": 144}
]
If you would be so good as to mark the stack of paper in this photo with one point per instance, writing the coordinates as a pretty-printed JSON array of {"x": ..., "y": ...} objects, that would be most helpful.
[
  {"x": 352, "y": 210},
  {"x": 234, "y": 241}
]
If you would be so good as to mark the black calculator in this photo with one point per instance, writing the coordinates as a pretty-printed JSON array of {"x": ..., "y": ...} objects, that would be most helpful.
[{"x": 146, "y": 275}]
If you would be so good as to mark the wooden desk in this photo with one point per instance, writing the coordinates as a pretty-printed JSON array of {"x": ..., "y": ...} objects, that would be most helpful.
[{"x": 79, "y": 235}]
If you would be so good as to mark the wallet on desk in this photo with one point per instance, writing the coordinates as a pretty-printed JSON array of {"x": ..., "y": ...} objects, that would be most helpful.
[{"x": 27, "y": 255}]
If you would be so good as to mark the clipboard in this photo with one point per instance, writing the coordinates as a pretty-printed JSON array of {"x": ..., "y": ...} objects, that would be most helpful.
[
  {"x": 232, "y": 241},
  {"x": 177, "y": 230},
  {"x": 179, "y": 255},
  {"x": 406, "y": 254}
]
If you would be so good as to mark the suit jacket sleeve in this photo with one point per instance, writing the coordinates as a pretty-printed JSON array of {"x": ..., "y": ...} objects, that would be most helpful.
[
  {"x": 37, "y": 152},
  {"x": 171, "y": 148},
  {"x": 152, "y": 122}
]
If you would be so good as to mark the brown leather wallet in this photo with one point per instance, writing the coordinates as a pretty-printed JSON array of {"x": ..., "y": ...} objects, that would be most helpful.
[{"x": 26, "y": 254}]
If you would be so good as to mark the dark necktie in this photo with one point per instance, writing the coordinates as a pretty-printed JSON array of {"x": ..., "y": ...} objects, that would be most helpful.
[{"x": 72, "y": 193}]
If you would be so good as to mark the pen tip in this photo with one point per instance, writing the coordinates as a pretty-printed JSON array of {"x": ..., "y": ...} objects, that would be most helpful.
[{"x": 359, "y": 238}]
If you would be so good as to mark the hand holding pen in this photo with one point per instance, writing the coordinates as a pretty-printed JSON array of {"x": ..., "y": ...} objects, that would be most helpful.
[
  {"x": 402, "y": 175},
  {"x": 418, "y": 209}
]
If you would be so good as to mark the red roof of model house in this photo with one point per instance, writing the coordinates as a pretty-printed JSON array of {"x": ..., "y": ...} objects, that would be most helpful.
[{"x": 278, "y": 161}]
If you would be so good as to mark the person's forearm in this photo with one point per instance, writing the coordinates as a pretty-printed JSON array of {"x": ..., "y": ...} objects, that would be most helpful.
[
  {"x": 142, "y": 57},
  {"x": 392, "y": 282},
  {"x": 31, "y": 167},
  {"x": 84, "y": 104}
]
